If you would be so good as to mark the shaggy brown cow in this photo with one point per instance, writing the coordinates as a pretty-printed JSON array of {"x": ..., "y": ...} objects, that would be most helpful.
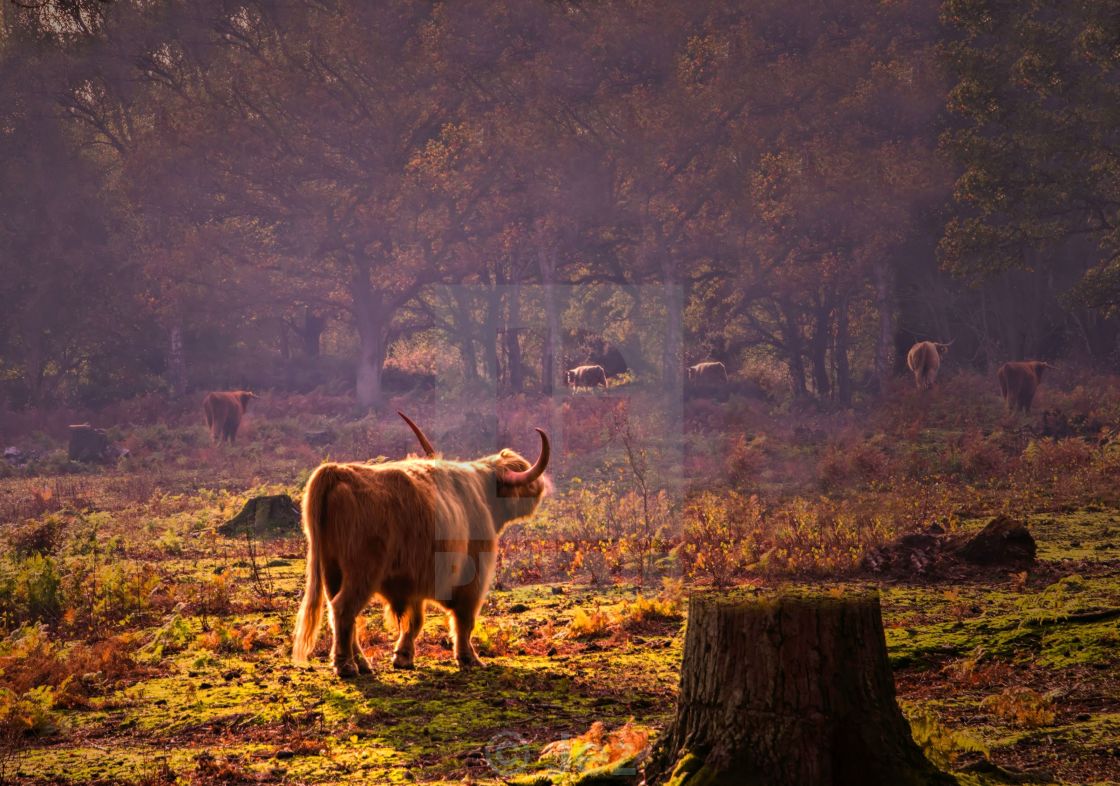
[
  {"x": 710, "y": 372},
  {"x": 223, "y": 413},
  {"x": 924, "y": 360},
  {"x": 410, "y": 531},
  {"x": 586, "y": 377},
  {"x": 1018, "y": 382}
]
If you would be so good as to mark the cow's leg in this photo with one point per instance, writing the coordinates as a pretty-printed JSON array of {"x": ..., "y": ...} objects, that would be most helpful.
[
  {"x": 360, "y": 659},
  {"x": 411, "y": 622},
  {"x": 462, "y": 626},
  {"x": 345, "y": 608}
]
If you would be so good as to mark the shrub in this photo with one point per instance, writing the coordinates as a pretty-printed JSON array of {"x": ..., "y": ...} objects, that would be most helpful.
[
  {"x": 982, "y": 458},
  {"x": 30, "y": 590},
  {"x": 1048, "y": 458},
  {"x": 1021, "y": 706},
  {"x": 38, "y": 536},
  {"x": 720, "y": 535}
]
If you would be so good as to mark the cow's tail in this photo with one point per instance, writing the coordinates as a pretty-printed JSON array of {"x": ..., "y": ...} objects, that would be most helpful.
[
  {"x": 1002, "y": 382},
  {"x": 310, "y": 616},
  {"x": 209, "y": 413}
]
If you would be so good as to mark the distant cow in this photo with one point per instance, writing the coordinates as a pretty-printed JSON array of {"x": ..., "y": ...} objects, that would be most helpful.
[
  {"x": 410, "y": 531},
  {"x": 1018, "y": 382},
  {"x": 223, "y": 413},
  {"x": 586, "y": 377},
  {"x": 924, "y": 360},
  {"x": 710, "y": 372}
]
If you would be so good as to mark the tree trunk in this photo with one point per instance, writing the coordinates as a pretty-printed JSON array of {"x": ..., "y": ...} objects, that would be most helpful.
[
  {"x": 884, "y": 343},
  {"x": 490, "y": 333},
  {"x": 793, "y": 354},
  {"x": 788, "y": 690},
  {"x": 550, "y": 353},
  {"x": 313, "y": 327},
  {"x": 672, "y": 359},
  {"x": 286, "y": 356},
  {"x": 819, "y": 350},
  {"x": 840, "y": 355},
  {"x": 462, "y": 318},
  {"x": 176, "y": 361},
  {"x": 371, "y": 321},
  {"x": 513, "y": 341}
]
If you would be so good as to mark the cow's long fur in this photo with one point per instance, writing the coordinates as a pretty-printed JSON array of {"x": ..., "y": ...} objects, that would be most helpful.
[
  {"x": 223, "y": 413},
  {"x": 586, "y": 377},
  {"x": 924, "y": 361},
  {"x": 1019, "y": 381},
  {"x": 410, "y": 531},
  {"x": 710, "y": 372}
]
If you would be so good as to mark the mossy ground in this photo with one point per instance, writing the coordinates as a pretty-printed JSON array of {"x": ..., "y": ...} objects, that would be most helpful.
[
  {"x": 953, "y": 647},
  {"x": 1002, "y": 670}
]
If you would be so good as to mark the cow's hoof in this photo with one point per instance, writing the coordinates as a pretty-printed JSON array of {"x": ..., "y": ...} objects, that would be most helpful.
[
  {"x": 346, "y": 670},
  {"x": 466, "y": 664},
  {"x": 402, "y": 661},
  {"x": 364, "y": 667}
]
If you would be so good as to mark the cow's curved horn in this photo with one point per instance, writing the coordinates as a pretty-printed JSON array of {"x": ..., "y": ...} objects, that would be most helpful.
[
  {"x": 424, "y": 443},
  {"x": 525, "y": 477}
]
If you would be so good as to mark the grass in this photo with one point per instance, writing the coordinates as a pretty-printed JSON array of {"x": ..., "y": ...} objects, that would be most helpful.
[{"x": 142, "y": 647}]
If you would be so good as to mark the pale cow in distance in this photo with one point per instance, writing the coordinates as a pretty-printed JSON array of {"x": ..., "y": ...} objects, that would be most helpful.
[
  {"x": 710, "y": 372},
  {"x": 1019, "y": 381},
  {"x": 586, "y": 377},
  {"x": 420, "y": 529},
  {"x": 224, "y": 410},
  {"x": 924, "y": 361}
]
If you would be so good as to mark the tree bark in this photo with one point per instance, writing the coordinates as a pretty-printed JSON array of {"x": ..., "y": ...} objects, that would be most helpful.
[
  {"x": 176, "y": 361},
  {"x": 550, "y": 354},
  {"x": 884, "y": 343},
  {"x": 672, "y": 360},
  {"x": 313, "y": 327},
  {"x": 840, "y": 355},
  {"x": 793, "y": 353},
  {"x": 372, "y": 323},
  {"x": 462, "y": 318},
  {"x": 788, "y": 690},
  {"x": 513, "y": 340},
  {"x": 819, "y": 351}
]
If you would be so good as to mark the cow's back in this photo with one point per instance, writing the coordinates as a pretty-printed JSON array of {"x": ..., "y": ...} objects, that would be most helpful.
[
  {"x": 922, "y": 357},
  {"x": 422, "y": 525},
  {"x": 710, "y": 371}
]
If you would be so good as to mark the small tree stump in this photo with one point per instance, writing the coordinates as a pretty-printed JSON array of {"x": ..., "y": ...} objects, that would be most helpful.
[
  {"x": 88, "y": 443},
  {"x": 788, "y": 691},
  {"x": 1003, "y": 541},
  {"x": 275, "y": 516}
]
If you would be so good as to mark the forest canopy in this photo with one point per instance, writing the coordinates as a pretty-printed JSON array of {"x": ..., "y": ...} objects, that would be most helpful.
[{"x": 308, "y": 193}]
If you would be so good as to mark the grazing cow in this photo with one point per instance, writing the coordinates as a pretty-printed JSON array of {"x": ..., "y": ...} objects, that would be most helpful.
[
  {"x": 411, "y": 530},
  {"x": 1018, "y": 382},
  {"x": 710, "y": 372},
  {"x": 924, "y": 360},
  {"x": 223, "y": 413},
  {"x": 586, "y": 377}
]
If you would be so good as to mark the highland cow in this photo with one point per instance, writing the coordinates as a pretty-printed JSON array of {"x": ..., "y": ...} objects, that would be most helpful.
[
  {"x": 1019, "y": 381},
  {"x": 586, "y": 377},
  {"x": 223, "y": 413},
  {"x": 710, "y": 372},
  {"x": 409, "y": 531},
  {"x": 924, "y": 361}
]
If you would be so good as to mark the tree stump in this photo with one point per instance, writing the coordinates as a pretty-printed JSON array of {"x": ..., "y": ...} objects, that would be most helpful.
[
  {"x": 271, "y": 516},
  {"x": 1003, "y": 541},
  {"x": 88, "y": 443},
  {"x": 788, "y": 690}
]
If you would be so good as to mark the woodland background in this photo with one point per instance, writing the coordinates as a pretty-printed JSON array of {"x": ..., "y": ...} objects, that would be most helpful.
[{"x": 355, "y": 195}]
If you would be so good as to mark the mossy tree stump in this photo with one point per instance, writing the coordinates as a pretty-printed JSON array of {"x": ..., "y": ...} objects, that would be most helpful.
[
  {"x": 88, "y": 443},
  {"x": 788, "y": 690}
]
